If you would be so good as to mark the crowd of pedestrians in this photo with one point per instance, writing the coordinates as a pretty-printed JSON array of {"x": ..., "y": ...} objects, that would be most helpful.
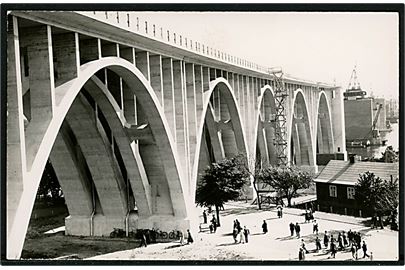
[
  {"x": 332, "y": 244},
  {"x": 344, "y": 241}
]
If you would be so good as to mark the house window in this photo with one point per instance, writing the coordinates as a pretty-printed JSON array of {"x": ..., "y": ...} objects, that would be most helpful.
[
  {"x": 350, "y": 192},
  {"x": 332, "y": 191}
]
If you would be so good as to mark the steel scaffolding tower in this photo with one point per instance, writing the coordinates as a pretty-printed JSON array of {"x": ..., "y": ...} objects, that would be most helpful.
[{"x": 280, "y": 140}]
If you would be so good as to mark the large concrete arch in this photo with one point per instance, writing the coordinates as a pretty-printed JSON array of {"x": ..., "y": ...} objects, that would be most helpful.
[
  {"x": 324, "y": 134},
  {"x": 208, "y": 117},
  {"x": 300, "y": 132},
  {"x": 64, "y": 97},
  {"x": 264, "y": 135}
]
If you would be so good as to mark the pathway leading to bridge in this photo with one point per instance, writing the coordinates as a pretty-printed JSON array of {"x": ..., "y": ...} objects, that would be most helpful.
[{"x": 275, "y": 245}]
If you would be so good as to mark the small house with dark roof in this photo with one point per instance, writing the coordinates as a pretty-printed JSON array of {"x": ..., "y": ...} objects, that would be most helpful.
[{"x": 335, "y": 185}]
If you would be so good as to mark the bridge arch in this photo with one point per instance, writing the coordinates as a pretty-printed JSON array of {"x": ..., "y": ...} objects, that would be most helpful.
[
  {"x": 263, "y": 147},
  {"x": 65, "y": 96},
  {"x": 222, "y": 127},
  {"x": 300, "y": 135},
  {"x": 324, "y": 134}
]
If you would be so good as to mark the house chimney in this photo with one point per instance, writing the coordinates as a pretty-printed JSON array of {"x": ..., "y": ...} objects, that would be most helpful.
[{"x": 352, "y": 159}]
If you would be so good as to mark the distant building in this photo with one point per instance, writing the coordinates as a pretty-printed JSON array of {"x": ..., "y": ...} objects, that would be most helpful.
[
  {"x": 335, "y": 185},
  {"x": 364, "y": 116}
]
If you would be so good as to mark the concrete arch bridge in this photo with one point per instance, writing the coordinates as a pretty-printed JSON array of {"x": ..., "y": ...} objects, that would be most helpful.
[{"x": 130, "y": 114}]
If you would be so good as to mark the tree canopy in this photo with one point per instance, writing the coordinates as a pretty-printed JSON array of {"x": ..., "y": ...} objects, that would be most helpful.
[
  {"x": 373, "y": 192},
  {"x": 286, "y": 180},
  {"x": 221, "y": 182}
]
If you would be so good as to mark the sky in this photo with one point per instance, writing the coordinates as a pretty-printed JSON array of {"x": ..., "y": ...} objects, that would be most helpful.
[{"x": 322, "y": 47}]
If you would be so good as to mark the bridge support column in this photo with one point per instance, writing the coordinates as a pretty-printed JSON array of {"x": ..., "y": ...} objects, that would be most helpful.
[
  {"x": 338, "y": 123},
  {"x": 16, "y": 163}
]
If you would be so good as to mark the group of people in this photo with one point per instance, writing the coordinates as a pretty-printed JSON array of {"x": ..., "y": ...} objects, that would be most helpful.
[
  {"x": 295, "y": 228},
  {"x": 343, "y": 240},
  {"x": 240, "y": 235},
  {"x": 213, "y": 222}
]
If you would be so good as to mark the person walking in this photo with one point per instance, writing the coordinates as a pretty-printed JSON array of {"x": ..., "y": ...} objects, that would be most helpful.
[
  {"x": 189, "y": 237},
  {"x": 332, "y": 248},
  {"x": 181, "y": 235},
  {"x": 364, "y": 247},
  {"x": 246, "y": 233},
  {"x": 340, "y": 241},
  {"x": 358, "y": 239},
  {"x": 292, "y": 228},
  {"x": 345, "y": 243},
  {"x": 205, "y": 217},
  {"x": 303, "y": 246},
  {"x": 301, "y": 254},
  {"x": 353, "y": 250},
  {"x": 143, "y": 240},
  {"x": 350, "y": 235},
  {"x": 318, "y": 245},
  {"x": 326, "y": 239},
  {"x": 374, "y": 221},
  {"x": 235, "y": 234},
  {"x": 315, "y": 227},
  {"x": 297, "y": 230},
  {"x": 280, "y": 211},
  {"x": 264, "y": 227},
  {"x": 214, "y": 223}
]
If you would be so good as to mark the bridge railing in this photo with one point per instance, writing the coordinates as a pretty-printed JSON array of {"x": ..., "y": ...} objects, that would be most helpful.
[{"x": 129, "y": 21}]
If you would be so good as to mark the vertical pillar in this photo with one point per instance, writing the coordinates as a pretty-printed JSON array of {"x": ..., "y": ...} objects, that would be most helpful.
[
  {"x": 41, "y": 79},
  {"x": 338, "y": 122},
  {"x": 231, "y": 81},
  {"x": 191, "y": 112},
  {"x": 199, "y": 92},
  {"x": 142, "y": 63},
  {"x": 205, "y": 82},
  {"x": 16, "y": 161},
  {"x": 156, "y": 80},
  {"x": 77, "y": 51},
  {"x": 244, "y": 101},
  {"x": 168, "y": 94},
  {"x": 179, "y": 108},
  {"x": 129, "y": 103}
]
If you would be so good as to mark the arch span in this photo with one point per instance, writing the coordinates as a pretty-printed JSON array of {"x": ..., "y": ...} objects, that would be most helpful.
[
  {"x": 209, "y": 119},
  {"x": 65, "y": 95},
  {"x": 263, "y": 146},
  {"x": 300, "y": 135},
  {"x": 325, "y": 142}
]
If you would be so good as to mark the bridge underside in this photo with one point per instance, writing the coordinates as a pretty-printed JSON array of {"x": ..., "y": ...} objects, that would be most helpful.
[{"x": 129, "y": 130}]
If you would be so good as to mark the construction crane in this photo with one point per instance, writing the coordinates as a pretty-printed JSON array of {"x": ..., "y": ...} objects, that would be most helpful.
[
  {"x": 373, "y": 127},
  {"x": 374, "y": 130}
]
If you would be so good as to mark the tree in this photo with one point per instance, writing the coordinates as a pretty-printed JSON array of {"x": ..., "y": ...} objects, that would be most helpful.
[
  {"x": 49, "y": 188},
  {"x": 253, "y": 168},
  {"x": 286, "y": 180},
  {"x": 220, "y": 183},
  {"x": 377, "y": 194}
]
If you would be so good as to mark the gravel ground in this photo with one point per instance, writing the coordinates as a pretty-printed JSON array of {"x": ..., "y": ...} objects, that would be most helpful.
[{"x": 276, "y": 245}]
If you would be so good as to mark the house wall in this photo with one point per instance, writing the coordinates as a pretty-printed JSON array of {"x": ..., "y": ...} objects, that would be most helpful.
[{"x": 340, "y": 204}]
